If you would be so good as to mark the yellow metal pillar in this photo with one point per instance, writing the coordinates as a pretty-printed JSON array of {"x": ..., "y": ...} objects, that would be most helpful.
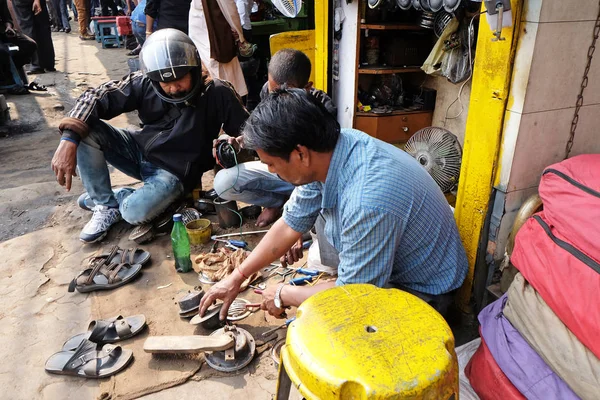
[
  {"x": 321, "y": 43},
  {"x": 489, "y": 93}
]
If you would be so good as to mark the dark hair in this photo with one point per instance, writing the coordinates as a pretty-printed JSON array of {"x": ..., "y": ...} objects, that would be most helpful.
[
  {"x": 290, "y": 66},
  {"x": 288, "y": 118}
]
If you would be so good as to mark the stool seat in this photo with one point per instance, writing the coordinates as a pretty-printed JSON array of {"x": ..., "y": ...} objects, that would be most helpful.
[{"x": 363, "y": 342}]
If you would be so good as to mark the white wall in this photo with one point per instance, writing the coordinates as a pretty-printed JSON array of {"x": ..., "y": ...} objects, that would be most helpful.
[{"x": 345, "y": 87}]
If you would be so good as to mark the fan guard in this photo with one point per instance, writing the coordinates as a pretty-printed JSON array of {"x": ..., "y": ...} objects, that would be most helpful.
[
  {"x": 289, "y": 8},
  {"x": 439, "y": 152}
]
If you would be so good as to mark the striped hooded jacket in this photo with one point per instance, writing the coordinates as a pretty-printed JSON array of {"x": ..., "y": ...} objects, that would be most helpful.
[{"x": 175, "y": 137}]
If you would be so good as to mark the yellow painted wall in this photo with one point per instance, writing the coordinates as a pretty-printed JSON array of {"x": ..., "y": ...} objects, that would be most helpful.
[{"x": 489, "y": 93}]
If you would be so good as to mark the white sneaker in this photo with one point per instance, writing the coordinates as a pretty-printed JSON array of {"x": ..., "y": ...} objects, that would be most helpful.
[{"x": 98, "y": 226}]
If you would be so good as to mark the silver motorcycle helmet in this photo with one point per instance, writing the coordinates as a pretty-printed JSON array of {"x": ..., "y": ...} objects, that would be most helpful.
[{"x": 168, "y": 55}]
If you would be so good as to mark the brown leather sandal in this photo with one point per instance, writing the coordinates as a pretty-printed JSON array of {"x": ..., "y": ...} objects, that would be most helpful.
[{"x": 104, "y": 277}]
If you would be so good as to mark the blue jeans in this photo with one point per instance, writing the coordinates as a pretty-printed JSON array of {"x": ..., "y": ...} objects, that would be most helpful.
[
  {"x": 106, "y": 143},
  {"x": 139, "y": 31},
  {"x": 61, "y": 11},
  {"x": 252, "y": 183}
]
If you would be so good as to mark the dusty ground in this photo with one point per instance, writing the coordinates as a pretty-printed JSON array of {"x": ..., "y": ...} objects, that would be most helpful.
[{"x": 39, "y": 227}]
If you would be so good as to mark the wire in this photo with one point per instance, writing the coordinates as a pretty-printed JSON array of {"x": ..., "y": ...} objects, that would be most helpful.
[
  {"x": 237, "y": 177},
  {"x": 460, "y": 91}
]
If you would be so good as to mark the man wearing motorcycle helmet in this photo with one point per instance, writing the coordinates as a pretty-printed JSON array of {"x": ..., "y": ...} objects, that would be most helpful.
[{"x": 181, "y": 110}]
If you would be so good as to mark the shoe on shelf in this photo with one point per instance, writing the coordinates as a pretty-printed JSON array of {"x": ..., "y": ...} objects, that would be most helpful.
[{"x": 97, "y": 227}]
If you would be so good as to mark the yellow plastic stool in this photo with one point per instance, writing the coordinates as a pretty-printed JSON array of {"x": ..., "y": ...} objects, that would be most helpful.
[{"x": 362, "y": 342}]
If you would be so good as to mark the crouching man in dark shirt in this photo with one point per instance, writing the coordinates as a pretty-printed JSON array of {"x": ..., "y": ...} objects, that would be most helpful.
[{"x": 182, "y": 111}]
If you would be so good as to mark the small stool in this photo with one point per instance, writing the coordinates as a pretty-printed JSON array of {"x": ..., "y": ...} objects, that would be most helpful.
[
  {"x": 107, "y": 39},
  {"x": 362, "y": 342}
]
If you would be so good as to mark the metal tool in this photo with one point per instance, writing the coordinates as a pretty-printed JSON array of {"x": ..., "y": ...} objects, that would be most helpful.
[
  {"x": 307, "y": 272},
  {"x": 234, "y": 358},
  {"x": 285, "y": 325},
  {"x": 260, "y": 286},
  {"x": 303, "y": 280},
  {"x": 237, "y": 243},
  {"x": 214, "y": 237}
]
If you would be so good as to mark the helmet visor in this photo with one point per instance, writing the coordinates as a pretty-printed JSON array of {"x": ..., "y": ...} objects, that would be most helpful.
[{"x": 167, "y": 59}]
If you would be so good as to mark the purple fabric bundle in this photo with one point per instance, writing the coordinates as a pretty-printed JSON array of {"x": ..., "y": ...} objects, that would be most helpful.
[{"x": 521, "y": 364}]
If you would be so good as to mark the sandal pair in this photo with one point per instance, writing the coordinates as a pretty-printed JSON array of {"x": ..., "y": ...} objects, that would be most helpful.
[
  {"x": 80, "y": 356},
  {"x": 110, "y": 270}
]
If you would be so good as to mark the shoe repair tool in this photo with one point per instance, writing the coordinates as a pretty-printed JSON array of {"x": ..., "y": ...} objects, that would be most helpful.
[
  {"x": 303, "y": 280},
  {"x": 238, "y": 234},
  {"x": 271, "y": 331},
  {"x": 260, "y": 286},
  {"x": 238, "y": 310},
  {"x": 307, "y": 272},
  {"x": 238, "y": 244},
  {"x": 236, "y": 357},
  {"x": 210, "y": 320},
  {"x": 187, "y": 344}
]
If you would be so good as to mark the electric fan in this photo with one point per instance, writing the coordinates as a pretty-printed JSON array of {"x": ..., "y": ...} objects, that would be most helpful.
[
  {"x": 439, "y": 152},
  {"x": 289, "y": 8}
]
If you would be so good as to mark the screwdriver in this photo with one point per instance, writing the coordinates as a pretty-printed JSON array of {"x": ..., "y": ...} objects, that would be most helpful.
[{"x": 271, "y": 331}]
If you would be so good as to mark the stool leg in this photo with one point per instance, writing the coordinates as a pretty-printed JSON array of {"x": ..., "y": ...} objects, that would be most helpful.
[{"x": 284, "y": 384}]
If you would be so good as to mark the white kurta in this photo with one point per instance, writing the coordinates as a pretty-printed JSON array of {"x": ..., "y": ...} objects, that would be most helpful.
[{"x": 198, "y": 31}]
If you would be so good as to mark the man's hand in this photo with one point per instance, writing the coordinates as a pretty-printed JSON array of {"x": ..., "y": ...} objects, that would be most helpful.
[
  {"x": 36, "y": 7},
  {"x": 294, "y": 254},
  {"x": 268, "y": 303},
  {"x": 64, "y": 163},
  {"x": 226, "y": 290},
  {"x": 236, "y": 142},
  {"x": 9, "y": 31}
]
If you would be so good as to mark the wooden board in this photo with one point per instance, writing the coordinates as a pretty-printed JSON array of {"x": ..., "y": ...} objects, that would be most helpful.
[
  {"x": 393, "y": 27},
  {"x": 387, "y": 70},
  {"x": 187, "y": 344}
]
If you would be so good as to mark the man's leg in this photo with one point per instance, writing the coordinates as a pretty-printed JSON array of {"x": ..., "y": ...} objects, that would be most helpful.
[
  {"x": 26, "y": 22},
  {"x": 161, "y": 188},
  {"x": 115, "y": 146},
  {"x": 83, "y": 18},
  {"x": 43, "y": 37},
  {"x": 27, "y": 47},
  {"x": 252, "y": 183}
]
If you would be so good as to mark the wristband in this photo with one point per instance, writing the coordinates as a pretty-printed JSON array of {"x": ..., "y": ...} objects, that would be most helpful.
[
  {"x": 241, "y": 273},
  {"x": 70, "y": 140},
  {"x": 149, "y": 33}
]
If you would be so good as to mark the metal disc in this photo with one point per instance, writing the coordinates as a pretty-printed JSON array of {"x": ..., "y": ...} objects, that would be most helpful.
[
  {"x": 436, "y": 5},
  {"x": 203, "y": 278},
  {"x": 404, "y": 4},
  {"x": 276, "y": 351},
  {"x": 216, "y": 359},
  {"x": 237, "y": 310},
  {"x": 416, "y": 4},
  {"x": 451, "y": 5}
]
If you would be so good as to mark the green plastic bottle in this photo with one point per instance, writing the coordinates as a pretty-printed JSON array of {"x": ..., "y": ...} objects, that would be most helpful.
[{"x": 181, "y": 245}]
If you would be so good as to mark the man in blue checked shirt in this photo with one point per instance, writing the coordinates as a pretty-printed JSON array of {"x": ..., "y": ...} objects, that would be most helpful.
[{"x": 384, "y": 214}]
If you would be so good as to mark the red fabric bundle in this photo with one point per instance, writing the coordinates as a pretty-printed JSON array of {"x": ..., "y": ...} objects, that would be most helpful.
[{"x": 486, "y": 377}]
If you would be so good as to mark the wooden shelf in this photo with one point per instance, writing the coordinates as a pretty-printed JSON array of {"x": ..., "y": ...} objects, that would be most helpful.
[
  {"x": 391, "y": 27},
  {"x": 396, "y": 112},
  {"x": 387, "y": 70}
]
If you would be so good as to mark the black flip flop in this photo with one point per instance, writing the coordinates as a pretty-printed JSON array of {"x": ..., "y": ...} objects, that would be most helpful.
[
  {"x": 87, "y": 362},
  {"x": 37, "y": 87},
  {"x": 109, "y": 330}
]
